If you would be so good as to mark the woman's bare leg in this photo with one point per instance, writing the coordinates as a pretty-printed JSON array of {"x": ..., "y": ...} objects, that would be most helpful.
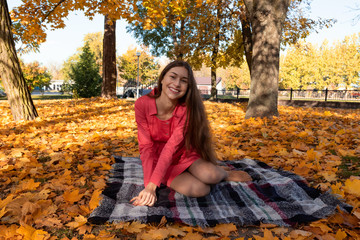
[
  {"x": 207, "y": 172},
  {"x": 185, "y": 183},
  {"x": 196, "y": 181},
  {"x": 210, "y": 173}
]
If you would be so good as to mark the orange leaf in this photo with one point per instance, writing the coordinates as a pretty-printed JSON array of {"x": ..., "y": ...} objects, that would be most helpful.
[
  {"x": 79, "y": 221},
  {"x": 340, "y": 235},
  {"x": 352, "y": 186},
  {"x": 95, "y": 199},
  {"x": 27, "y": 186},
  {"x": 72, "y": 196},
  {"x": 193, "y": 236},
  {"x": 267, "y": 236},
  {"x": 2, "y": 212},
  {"x": 135, "y": 227},
  {"x": 225, "y": 229}
]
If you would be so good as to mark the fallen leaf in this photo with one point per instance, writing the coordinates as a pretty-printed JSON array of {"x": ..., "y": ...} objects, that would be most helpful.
[
  {"x": 352, "y": 186},
  {"x": 135, "y": 227},
  {"x": 72, "y": 196},
  {"x": 340, "y": 235},
  {"x": 95, "y": 199},
  {"x": 79, "y": 221}
]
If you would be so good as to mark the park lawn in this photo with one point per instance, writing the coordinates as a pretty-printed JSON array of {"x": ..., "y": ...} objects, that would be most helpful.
[{"x": 53, "y": 169}]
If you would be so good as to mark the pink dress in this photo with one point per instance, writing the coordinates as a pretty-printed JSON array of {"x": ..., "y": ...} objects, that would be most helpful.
[{"x": 161, "y": 142}]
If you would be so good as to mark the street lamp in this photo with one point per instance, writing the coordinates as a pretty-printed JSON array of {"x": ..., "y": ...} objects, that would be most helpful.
[{"x": 137, "y": 82}]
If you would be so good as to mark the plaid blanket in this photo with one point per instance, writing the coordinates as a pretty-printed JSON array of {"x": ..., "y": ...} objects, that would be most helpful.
[{"x": 275, "y": 196}]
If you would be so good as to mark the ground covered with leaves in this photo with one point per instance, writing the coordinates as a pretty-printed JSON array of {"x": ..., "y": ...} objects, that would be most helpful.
[{"x": 53, "y": 169}]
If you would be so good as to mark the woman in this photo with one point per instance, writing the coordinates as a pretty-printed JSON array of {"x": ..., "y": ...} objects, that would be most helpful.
[{"x": 174, "y": 138}]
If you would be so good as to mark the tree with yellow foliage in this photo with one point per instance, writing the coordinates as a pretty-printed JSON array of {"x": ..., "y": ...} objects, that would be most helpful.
[
  {"x": 36, "y": 75},
  {"x": 18, "y": 94},
  {"x": 328, "y": 66}
]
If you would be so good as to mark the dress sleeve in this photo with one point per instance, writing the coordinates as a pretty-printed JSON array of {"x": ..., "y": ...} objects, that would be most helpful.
[
  {"x": 145, "y": 141},
  {"x": 170, "y": 148}
]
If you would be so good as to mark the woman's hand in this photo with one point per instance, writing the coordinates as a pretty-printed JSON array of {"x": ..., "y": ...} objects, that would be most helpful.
[{"x": 146, "y": 197}]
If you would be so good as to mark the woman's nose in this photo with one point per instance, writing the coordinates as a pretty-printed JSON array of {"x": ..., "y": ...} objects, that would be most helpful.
[{"x": 177, "y": 82}]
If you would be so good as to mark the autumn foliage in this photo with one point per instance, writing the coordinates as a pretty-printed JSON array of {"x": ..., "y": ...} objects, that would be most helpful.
[{"x": 53, "y": 169}]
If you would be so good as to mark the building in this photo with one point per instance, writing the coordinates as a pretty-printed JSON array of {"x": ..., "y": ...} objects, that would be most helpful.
[
  {"x": 204, "y": 84},
  {"x": 55, "y": 85}
]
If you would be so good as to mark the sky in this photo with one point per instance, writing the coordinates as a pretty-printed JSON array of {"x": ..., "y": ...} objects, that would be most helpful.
[{"x": 63, "y": 43}]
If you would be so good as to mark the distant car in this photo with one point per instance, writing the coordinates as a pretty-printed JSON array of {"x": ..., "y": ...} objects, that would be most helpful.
[
  {"x": 2, "y": 94},
  {"x": 355, "y": 94},
  {"x": 130, "y": 93},
  {"x": 145, "y": 92}
]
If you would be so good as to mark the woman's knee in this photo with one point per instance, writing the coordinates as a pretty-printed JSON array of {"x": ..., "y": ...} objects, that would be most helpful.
[
  {"x": 199, "y": 190},
  {"x": 207, "y": 172},
  {"x": 214, "y": 176},
  {"x": 190, "y": 186}
]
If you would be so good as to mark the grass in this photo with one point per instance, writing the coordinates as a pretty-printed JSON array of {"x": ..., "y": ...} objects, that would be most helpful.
[
  {"x": 350, "y": 166},
  {"x": 46, "y": 97}
]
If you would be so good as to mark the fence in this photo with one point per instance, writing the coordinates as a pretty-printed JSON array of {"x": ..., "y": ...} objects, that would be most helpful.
[{"x": 291, "y": 94}]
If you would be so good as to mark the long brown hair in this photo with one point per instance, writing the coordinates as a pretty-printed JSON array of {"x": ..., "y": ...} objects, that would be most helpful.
[{"x": 197, "y": 133}]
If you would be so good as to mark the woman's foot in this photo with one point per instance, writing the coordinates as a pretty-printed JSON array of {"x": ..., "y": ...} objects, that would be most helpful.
[{"x": 238, "y": 176}]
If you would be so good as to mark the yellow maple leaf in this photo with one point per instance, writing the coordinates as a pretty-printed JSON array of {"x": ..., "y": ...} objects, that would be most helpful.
[
  {"x": 26, "y": 231},
  {"x": 340, "y": 235},
  {"x": 336, "y": 189},
  {"x": 79, "y": 221},
  {"x": 352, "y": 186},
  {"x": 267, "y": 236},
  {"x": 28, "y": 185},
  {"x": 95, "y": 199},
  {"x": 40, "y": 235},
  {"x": 72, "y": 196},
  {"x": 313, "y": 155},
  {"x": 135, "y": 227},
  {"x": 3, "y": 211},
  {"x": 193, "y": 236},
  {"x": 225, "y": 229},
  {"x": 329, "y": 176}
]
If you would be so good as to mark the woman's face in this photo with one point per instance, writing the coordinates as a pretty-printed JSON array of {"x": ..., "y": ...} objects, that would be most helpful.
[{"x": 175, "y": 83}]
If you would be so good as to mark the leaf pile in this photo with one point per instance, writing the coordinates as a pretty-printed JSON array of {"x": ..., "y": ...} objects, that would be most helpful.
[{"x": 53, "y": 169}]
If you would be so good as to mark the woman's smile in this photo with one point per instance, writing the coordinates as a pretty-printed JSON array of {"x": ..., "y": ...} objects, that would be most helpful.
[{"x": 175, "y": 83}]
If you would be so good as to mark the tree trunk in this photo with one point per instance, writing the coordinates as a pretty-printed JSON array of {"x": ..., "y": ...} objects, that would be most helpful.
[
  {"x": 215, "y": 52},
  {"x": 18, "y": 94},
  {"x": 246, "y": 34},
  {"x": 109, "y": 59},
  {"x": 266, "y": 18}
]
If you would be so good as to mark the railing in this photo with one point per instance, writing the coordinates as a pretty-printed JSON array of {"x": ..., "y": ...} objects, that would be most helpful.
[{"x": 291, "y": 94}]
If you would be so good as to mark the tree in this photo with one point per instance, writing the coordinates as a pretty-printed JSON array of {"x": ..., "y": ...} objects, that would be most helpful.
[
  {"x": 266, "y": 20},
  {"x": 108, "y": 89},
  {"x": 36, "y": 75},
  {"x": 327, "y": 66},
  {"x": 236, "y": 77},
  {"x": 297, "y": 68},
  {"x": 85, "y": 75},
  {"x": 195, "y": 31},
  {"x": 95, "y": 42},
  {"x": 128, "y": 65},
  {"x": 33, "y": 17},
  {"x": 21, "y": 104}
]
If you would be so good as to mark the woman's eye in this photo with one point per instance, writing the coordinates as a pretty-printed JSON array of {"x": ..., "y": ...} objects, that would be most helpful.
[{"x": 184, "y": 81}]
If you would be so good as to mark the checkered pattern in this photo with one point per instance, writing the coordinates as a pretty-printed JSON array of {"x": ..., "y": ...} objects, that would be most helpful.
[{"x": 274, "y": 196}]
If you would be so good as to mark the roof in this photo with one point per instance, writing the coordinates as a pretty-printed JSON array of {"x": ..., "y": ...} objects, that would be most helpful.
[{"x": 206, "y": 80}]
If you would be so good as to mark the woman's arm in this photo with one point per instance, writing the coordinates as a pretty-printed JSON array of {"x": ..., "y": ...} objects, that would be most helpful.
[{"x": 145, "y": 141}]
